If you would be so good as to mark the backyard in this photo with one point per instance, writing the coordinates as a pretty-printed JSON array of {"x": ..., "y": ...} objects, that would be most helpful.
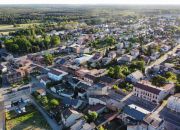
[{"x": 31, "y": 120}]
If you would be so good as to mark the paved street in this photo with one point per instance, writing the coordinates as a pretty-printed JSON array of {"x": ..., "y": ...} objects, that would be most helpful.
[{"x": 161, "y": 59}]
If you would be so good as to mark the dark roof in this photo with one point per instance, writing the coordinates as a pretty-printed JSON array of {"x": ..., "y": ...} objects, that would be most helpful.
[
  {"x": 147, "y": 88},
  {"x": 45, "y": 78},
  {"x": 96, "y": 107},
  {"x": 66, "y": 113},
  {"x": 56, "y": 72},
  {"x": 99, "y": 85},
  {"x": 89, "y": 76},
  {"x": 107, "y": 79},
  {"x": 83, "y": 85},
  {"x": 69, "y": 101},
  {"x": 137, "y": 115}
]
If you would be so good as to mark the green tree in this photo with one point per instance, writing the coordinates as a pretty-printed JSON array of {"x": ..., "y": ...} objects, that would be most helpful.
[
  {"x": 44, "y": 100},
  {"x": 159, "y": 80},
  {"x": 54, "y": 102},
  {"x": 101, "y": 128},
  {"x": 171, "y": 76},
  {"x": 47, "y": 41},
  {"x": 92, "y": 116},
  {"x": 115, "y": 87},
  {"x": 55, "y": 40},
  {"x": 48, "y": 59}
]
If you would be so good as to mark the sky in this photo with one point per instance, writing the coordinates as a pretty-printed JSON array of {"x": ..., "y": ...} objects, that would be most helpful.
[{"x": 161, "y": 2}]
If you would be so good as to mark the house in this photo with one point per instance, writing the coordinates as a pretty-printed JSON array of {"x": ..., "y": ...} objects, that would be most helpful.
[
  {"x": 119, "y": 45},
  {"x": 82, "y": 125},
  {"x": 41, "y": 92},
  {"x": 125, "y": 58},
  {"x": 154, "y": 122},
  {"x": 173, "y": 103},
  {"x": 98, "y": 108},
  {"x": 14, "y": 76},
  {"x": 90, "y": 78},
  {"x": 145, "y": 90},
  {"x": 83, "y": 59},
  {"x": 121, "y": 51},
  {"x": 70, "y": 116},
  {"x": 98, "y": 89},
  {"x": 155, "y": 55},
  {"x": 56, "y": 74},
  {"x": 69, "y": 102},
  {"x": 135, "y": 76},
  {"x": 71, "y": 69},
  {"x": 44, "y": 80},
  {"x": 85, "y": 50},
  {"x": 106, "y": 60},
  {"x": 134, "y": 53},
  {"x": 98, "y": 99},
  {"x": 165, "y": 48},
  {"x": 112, "y": 54},
  {"x": 81, "y": 72},
  {"x": 96, "y": 57},
  {"x": 108, "y": 80},
  {"x": 133, "y": 113}
]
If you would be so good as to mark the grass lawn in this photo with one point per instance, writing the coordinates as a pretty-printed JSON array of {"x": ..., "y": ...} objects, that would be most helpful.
[
  {"x": 32, "y": 120},
  {"x": 5, "y": 29}
]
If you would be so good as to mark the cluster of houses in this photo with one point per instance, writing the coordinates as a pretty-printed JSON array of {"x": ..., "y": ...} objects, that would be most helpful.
[{"x": 86, "y": 89}]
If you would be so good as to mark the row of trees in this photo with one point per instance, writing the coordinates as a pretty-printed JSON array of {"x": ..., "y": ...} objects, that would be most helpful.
[
  {"x": 122, "y": 71},
  {"x": 118, "y": 72},
  {"x": 162, "y": 80},
  {"x": 108, "y": 41},
  {"x": 28, "y": 44}
]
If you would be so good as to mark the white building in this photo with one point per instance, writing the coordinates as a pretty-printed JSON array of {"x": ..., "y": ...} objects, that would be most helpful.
[
  {"x": 147, "y": 91},
  {"x": 82, "y": 59},
  {"x": 98, "y": 89},
  {"x": 56, "y": 74},
  {"x": 135, "y": 76},
  {"x": 93, "y": 100},
  {"x": 69, "y": 117},
  {"x": 82, "y": 125},
  {"x": 174, "y": 103},
  {"x": 135, "y": 53}
]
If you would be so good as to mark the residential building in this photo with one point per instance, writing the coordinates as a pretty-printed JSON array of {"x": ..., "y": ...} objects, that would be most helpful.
[
  {"x": 90, "y": 78},
  {"x": 98, "y": 89},
  {"x": 82, "y": 125},
  {"x": 98, "y": 99},
  {"x": 70, "y": 116},
  {"x": 173, "y": 103},
  {"x": 56, "y": 74},
  {"x": 145, "y": 90},
  {"x": 133, "y": 113},
  {"x": 135, "y": 76},
  {"x": 44, "y": 80},
  {"x": 135, "y": 53},
  {"x": 125, "y": 58}
]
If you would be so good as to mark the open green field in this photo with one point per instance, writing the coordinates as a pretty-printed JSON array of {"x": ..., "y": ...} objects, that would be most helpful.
[
  {"x": 32, "y": 120},
  {"x": 5, "y": 29}
]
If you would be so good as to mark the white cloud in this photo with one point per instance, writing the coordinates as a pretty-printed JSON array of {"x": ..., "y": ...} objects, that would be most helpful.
[{"x": 90, "y": 2}]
